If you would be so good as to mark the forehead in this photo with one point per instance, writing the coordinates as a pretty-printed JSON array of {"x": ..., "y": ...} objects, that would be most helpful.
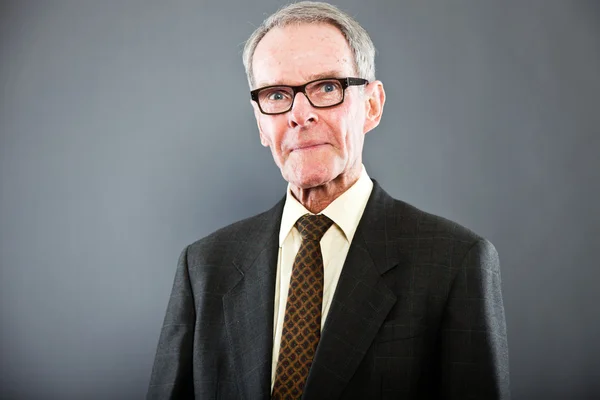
[{"x": 298, "y": 53}]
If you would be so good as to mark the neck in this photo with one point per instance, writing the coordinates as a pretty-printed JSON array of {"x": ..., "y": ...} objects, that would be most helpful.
[{"x": 316, "y": 199}]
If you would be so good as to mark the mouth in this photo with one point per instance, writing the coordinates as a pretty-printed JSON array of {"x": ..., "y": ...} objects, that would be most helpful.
[{"x": 309, "y": 146}]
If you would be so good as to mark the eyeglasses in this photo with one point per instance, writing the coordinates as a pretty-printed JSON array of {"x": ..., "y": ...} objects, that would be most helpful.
[{"x": 321, "y": 93}]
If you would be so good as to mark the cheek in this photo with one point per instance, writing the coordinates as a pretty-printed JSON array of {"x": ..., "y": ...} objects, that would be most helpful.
[
  {"x": 349, "y": 128},
  {"x": 273, "y": 132},
  {"x": 269, "y": 128},
  {"x": 354, "y": 131}
]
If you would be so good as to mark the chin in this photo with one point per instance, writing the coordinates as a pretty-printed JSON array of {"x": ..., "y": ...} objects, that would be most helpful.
[{"x": 307, "y": 177}]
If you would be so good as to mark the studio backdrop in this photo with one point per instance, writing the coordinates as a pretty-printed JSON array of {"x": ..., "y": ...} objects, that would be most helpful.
[{"x": 126, "y": 133}]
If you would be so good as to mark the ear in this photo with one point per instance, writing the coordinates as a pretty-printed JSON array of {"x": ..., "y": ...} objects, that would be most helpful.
[
  {"x": 374, "y": 101},
  {"x": 257, "y": 115}
]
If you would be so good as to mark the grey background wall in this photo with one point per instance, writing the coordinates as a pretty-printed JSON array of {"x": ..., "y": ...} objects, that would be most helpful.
[{"x": 127, "y": 133}]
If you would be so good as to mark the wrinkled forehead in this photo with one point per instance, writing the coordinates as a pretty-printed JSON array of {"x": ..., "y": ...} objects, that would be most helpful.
[{"x": 298, "y": 53}]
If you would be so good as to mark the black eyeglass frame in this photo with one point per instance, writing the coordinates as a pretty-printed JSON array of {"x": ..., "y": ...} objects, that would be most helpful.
[{"x": 344, "y": 82}]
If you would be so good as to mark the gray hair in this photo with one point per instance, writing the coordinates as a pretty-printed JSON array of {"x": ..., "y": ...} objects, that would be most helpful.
[{"x": 316, "y": 12}]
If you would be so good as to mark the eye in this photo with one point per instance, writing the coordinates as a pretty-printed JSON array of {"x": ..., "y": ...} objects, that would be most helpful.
[
  {"x": 328, "y": 87},
  {"x": 276, "y": 96}
]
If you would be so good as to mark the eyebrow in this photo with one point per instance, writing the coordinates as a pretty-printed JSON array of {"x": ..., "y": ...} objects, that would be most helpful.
[{"x": 313, "y": 77}]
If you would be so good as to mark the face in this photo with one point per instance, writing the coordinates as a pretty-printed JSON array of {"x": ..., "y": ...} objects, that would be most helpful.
[{"x": 313, "y": 146}]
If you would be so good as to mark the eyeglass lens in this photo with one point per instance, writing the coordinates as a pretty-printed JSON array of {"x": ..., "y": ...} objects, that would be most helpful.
[{"x": 321, "y": 93}]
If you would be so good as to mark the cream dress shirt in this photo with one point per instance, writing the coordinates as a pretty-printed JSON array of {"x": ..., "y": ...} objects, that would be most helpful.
[{"x": 345, "y": 212}]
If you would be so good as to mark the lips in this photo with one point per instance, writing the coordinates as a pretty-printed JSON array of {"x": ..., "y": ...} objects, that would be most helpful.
[{"x": 308, "y": 146}]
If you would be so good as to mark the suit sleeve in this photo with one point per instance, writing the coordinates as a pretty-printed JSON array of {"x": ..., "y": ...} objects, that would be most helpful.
[
  {"x": 474, "y": 348},
  {"x": 172, "y": 376}
]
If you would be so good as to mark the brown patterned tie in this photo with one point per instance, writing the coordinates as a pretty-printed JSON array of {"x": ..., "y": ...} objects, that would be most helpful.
[{"x": 302, "y": 321}]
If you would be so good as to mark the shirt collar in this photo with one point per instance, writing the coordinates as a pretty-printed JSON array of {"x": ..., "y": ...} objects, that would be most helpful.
[{"x": 345, "y": 211}]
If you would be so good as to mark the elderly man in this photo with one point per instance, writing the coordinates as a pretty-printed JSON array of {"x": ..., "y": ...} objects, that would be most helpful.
[{"x": 339, "y": 291}]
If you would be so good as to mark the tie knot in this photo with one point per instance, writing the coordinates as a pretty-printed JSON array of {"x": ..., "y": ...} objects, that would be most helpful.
[{"x": 313, "y": 227}]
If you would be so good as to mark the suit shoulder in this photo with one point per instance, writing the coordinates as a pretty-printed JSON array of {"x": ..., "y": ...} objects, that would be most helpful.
[
  {"x": 439, "y": 240},
  {"x": 231, "y": 234},
  {"x": 426, "y": 224},
  {"x": 210, "y": 260}
]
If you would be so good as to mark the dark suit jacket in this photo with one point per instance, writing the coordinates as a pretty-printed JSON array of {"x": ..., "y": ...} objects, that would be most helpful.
[{"x": 417, "y": 314}]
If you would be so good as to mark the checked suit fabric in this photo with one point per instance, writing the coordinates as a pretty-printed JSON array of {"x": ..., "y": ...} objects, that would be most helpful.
[{"x": 302, "y": 320}]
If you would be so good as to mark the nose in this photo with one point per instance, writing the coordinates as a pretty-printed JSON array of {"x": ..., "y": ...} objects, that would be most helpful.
[{"x": 302, "y": 112}]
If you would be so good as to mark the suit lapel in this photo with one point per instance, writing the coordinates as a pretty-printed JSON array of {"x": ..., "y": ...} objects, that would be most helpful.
[
  {"x": 248, "y": 306},
  {"x": 360, "y": 304}
]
